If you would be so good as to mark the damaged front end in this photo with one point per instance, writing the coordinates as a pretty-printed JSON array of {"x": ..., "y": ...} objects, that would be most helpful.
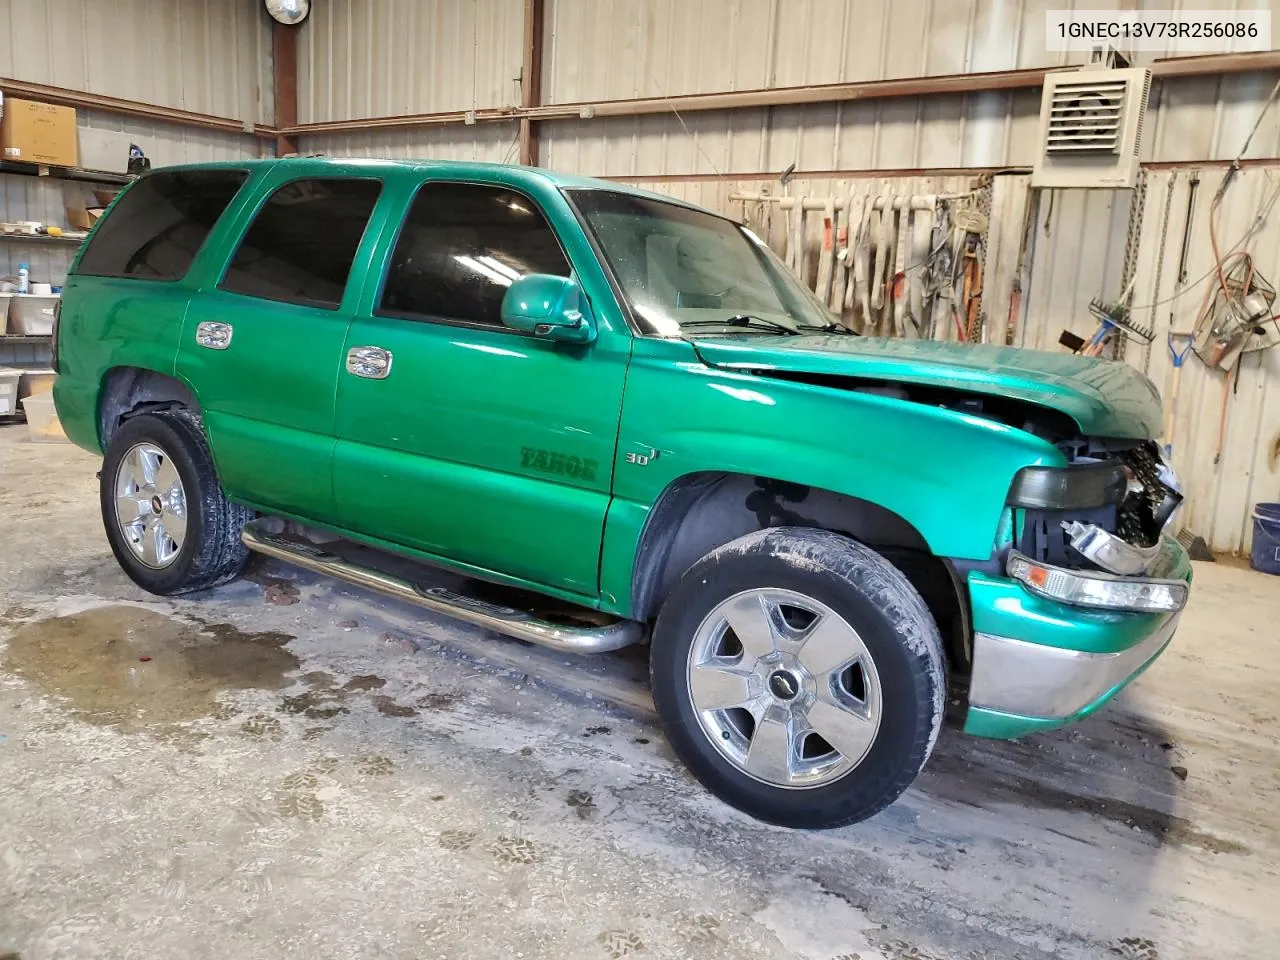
[
  {"x": 1091, "y": 592},
  {"x": 1107, "y": 508},
  {"x": 1082, "y": 533}
]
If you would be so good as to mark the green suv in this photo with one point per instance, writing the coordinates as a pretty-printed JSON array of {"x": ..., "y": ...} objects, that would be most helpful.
[{"x": 588, "y": 416}]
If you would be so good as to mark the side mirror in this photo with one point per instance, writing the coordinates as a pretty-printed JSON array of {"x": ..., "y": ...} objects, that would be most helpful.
[{"x": 548, "y": 306}]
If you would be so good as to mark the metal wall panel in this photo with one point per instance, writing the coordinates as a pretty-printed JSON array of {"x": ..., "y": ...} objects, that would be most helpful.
[
  {"x": 491, "y": 142},
  {"x": 611, "y": 49},
  {"x": 369, "y": 58},
  {"x": 209, "y": 57},
  {"x": 1191, "y": 119}
]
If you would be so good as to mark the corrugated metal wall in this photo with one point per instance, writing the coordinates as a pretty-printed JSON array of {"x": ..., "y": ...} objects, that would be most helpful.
[
  {"x": 491, "y": 142},
  {"x": 612, "y": 49},
  {"x": 1192, "y": 119},
  {"x": 1081, "y": 256},
  {"x": 209, "y": 56},
  {"x": 450, "y": 55},
  {"x": 373, "y": 58}
]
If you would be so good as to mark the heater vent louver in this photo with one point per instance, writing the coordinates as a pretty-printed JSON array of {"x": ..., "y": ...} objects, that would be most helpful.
[{"x": 1091, "y": 128}]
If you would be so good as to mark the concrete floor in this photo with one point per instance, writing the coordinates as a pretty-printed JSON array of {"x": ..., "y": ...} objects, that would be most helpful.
[{"x": 285, "y": 767}]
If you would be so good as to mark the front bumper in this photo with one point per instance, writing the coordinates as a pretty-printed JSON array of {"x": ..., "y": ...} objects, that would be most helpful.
[{"x": 1040, "y": 664}]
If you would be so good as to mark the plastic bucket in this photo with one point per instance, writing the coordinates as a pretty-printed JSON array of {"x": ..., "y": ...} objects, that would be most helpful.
[{"x": 1266, "y": 538}]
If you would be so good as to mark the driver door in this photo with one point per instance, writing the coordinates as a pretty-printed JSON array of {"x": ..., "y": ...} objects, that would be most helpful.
[{"x": 474, "y": 443}]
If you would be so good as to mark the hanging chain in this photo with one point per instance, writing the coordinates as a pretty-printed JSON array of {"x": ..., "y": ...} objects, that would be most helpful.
[
  {"x": 1164, "y": 236},
  {"x": 1137, "y": 208}
]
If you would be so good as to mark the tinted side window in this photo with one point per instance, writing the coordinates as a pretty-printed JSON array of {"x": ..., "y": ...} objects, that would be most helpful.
[
  {"x": 300, "y": 246},
  {"x": 157, "y": 227},
  {"x": 459, "y": 249}
]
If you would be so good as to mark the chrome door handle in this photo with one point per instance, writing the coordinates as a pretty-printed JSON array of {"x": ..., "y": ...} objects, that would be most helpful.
[
  {"x": 372, "y": 363},
  {"x": 214, "y": 335}
]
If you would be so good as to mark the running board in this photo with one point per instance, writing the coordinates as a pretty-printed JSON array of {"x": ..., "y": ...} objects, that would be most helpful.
[{"x": 258, "y": 536}]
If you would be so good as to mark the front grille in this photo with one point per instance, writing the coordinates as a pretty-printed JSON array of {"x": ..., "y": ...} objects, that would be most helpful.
[{"x": 1139, "y": 519}]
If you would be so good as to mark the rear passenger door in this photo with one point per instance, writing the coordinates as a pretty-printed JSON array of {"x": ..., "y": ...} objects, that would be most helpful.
[{"x": 263, "y": 340}]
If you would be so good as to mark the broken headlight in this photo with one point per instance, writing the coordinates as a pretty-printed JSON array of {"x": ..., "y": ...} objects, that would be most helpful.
[
  {"x": 1097, "y": 590},
  {"x": 1077, "y": 487}
]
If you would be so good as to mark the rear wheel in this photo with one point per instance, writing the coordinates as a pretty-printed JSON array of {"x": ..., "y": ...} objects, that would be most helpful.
[
  {"x": 169, "y": 525},
  {"x": 800, "y": 677}
]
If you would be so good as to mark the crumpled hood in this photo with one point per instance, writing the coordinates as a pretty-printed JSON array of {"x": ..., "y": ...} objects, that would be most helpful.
[{"x": 1105, "y": 398}]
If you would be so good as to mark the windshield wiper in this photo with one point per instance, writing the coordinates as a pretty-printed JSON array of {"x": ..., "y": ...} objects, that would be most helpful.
[
  {"x": 829, "y": 328},
  {"x": 742, "y": 320}
]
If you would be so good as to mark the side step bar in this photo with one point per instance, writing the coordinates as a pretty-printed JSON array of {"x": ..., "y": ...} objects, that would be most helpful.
[{"x": 258, "y": 536}]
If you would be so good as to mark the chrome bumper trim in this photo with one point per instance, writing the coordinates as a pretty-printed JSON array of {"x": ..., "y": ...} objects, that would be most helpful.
[{"x": 1050, "y": 683}]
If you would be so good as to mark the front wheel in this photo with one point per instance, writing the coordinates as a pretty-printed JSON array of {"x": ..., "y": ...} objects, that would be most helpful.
[
  {"x": 799, "y": 676},
  {"x": 169, "y": 525}
]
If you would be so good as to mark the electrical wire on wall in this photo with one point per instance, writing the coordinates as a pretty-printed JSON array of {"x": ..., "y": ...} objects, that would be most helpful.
[{"x": 1237, "y": 313}]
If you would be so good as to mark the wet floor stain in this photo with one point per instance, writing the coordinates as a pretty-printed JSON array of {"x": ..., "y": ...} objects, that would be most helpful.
[
  {"x": 951, "y": 778},
  {"x": 9, "y": 615},
  {"x": 325, "y": 698},
  {"x": 515, "y": 851},
  {"x": 312, "y": 704},
  {"x": 439, "y": 701},
  {"x": 365, "y": 682},
  {"x": 583, "y": 803},
  {"x": 134, "y": 669},
  {"x": 388, "y": 707},
  {"x": 375, "y": 766},
  {"x": 1135, "y": 948}
]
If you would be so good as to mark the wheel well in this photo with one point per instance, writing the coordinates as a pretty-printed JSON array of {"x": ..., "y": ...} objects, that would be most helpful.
[
  {"x": 702, "y": 511},
  {"x": 130, "y": 390}
]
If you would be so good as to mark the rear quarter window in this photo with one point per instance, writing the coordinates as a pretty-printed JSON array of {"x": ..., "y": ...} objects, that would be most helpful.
[{"x": 156, "y": 229}]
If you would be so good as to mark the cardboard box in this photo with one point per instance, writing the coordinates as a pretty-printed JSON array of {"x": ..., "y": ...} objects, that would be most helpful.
[
  {"x": 105, "y": 150},
  {"x": 80, "y": 217},
  {"x": 33, "y": 132}
]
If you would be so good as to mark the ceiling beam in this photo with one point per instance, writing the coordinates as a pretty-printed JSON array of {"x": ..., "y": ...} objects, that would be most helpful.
[{"x": 83, "y": 100}]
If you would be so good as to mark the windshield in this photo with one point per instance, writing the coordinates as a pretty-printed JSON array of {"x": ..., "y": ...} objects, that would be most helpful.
[{"x": 683, "y": 268}]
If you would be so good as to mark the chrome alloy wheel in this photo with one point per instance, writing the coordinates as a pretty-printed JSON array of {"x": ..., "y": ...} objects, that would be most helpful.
[
  {"x": 151, "y": 505},
  {"x": 784, "y": 688}
]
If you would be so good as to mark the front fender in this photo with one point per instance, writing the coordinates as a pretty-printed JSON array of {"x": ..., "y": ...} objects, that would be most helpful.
[{"x": 945, "y": 472}]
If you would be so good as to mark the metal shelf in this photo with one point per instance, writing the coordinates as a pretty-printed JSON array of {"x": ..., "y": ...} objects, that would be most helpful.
[
  {"x": 26, "y": 338},
  {"x": 63, "y": 173},
  {"x": 40, "y": 238}
]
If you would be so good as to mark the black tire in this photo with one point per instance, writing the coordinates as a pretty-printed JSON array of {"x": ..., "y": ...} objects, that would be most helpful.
[
  {"x": 211, "y": 552},
  {"x": 895, "y": 626}
]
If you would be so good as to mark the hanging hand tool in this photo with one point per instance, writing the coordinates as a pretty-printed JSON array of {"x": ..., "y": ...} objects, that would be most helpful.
[
  {"x": 902, "y": 244},
  {"x": 795, "y": 244},
  {"x": 880, "y": 242},
  {"x": 921, "y": 232},
  {"x": 1177, "y": 354},
  {"x": 854, "y": 218},
  {"x": 845, "y": 238},
  {"x": 827, "y": 253}
]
